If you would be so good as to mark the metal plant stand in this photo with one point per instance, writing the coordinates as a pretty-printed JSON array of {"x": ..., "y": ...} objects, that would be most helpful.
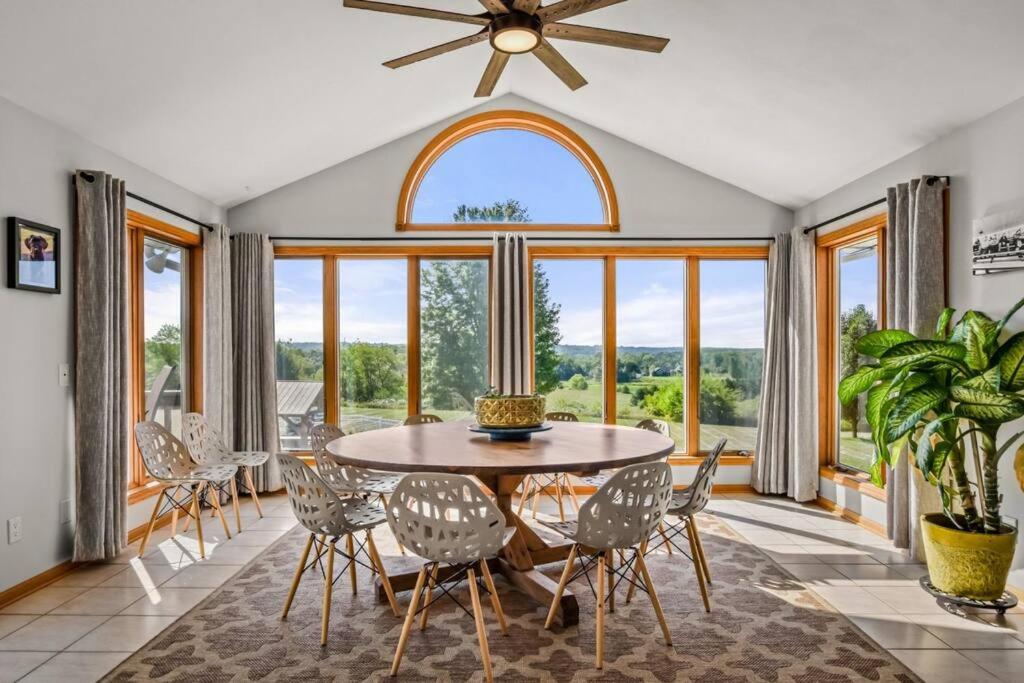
[{"x": 956, "y": 603}]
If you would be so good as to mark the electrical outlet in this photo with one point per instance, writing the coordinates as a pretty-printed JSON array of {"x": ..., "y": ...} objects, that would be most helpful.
[
  {"x": 13, "y": 530},
  {"x": 65, "y": 511},
  {"x": 64, "y": 374}
]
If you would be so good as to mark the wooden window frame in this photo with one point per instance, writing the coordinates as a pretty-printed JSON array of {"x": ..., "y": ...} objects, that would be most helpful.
[
  {"x": 508, "y": 119},
  {"x": 827, "y": 247},
  {"x": 139, "y": 227}
]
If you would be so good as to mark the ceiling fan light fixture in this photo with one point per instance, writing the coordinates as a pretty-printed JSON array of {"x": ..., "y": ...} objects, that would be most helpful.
[{"x": 515, "y": 33}]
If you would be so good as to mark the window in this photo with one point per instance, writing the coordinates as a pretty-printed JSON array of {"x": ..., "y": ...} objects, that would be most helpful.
[
  {"x": 507, "y": 167},
  {"x": 731, "y": 351},
  {"x": 850, "y": 295},
  {"x": 650, "y": 330},
  {"x": 568, "y": 324},
  {"x": 299, "y": 330}
]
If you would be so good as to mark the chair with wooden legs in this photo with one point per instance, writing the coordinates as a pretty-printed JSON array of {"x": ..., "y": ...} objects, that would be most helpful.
[
  {"x": 451, "y": 523},
  {"x": 537, "y": 485},
  {"x": 424, "y": 419},
  {"x": 617, "y": 520},
  {"x": 182, "y": 480},
  {"x": 684, "y": 506},
  {"x": 329, "y": 517},
  {"x": 207, "y": 447}
]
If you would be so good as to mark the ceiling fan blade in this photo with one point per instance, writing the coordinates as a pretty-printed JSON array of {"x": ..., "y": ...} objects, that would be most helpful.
[
  {"x": 495, "y": 6},
  {"x": 491, "y": 74},
  {"x": 437, "y": 50},
  {"x": 391, "y": 8},
  {"x": 554, "y": 60},
  {"x": 604, "y": 36},
  {"x": 528, "y": 6},
  {"x": 571, "y": 8}
]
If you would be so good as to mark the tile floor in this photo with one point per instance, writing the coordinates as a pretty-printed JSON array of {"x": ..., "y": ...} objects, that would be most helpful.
[{"x": 83, "y": 625}]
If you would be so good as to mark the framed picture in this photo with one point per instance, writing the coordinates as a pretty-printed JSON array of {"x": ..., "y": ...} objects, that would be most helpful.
[
  {"x": 998, "y": 243},
  {"x": 33, "y": 256}
]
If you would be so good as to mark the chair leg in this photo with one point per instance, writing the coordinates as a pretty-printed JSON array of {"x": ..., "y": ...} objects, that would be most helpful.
[
  {"x": 700, "y": 550},
  {"x": 428, "y": 596},
  {"x": 572, "y": 494},
  {"x": 298, "y": 576},
  {"x": 481, "y": 629},
  {"x": 384, "y": 580},
  {"x": 558, "y": 497},
  {"x": 350, "y": 548},
  {"x": 328, "y": 588},
  {"x": 234, "y": 503},
  {"x": 566, "y": 573},
  {"x": 632, "y": 585},
  {"x": 527, "y": 487},
  {"x": 696, "y": 565},
  {"x": 195, "y": 492},
  {"x": 197, "y": 515},
  {"x": 495, "y": 601},
  {"x": 537, "y": 493},
  {"x": 609, "y": 564},
  {"x": 664, "y": 537},
  {"x": 599, "y": 656},
  {"x": 152, "y": 521},
  {"x": 252, "y": 490},
  {"x": 410, "y": 615},
  {"x": 215, "y": 498},
  {"x": 654, "y": 597}
]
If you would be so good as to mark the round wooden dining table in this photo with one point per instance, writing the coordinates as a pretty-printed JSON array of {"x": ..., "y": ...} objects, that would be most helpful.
[{"x": 574, "y": 447}]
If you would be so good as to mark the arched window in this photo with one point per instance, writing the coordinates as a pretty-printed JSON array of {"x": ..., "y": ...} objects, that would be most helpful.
[{"x": 509, "y": 167}]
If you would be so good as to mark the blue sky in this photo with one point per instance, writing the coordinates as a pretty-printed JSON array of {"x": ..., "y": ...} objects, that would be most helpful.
[
  {"x": 161, "y": 293},
  {"x": 858, "y": 278}
]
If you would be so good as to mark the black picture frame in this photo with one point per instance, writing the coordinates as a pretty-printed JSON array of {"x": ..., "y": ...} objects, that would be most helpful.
[{"x": 19, "y": 274}]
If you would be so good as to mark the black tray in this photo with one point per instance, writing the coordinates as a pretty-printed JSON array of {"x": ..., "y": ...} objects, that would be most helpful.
[{"x": 509, "y": 433}]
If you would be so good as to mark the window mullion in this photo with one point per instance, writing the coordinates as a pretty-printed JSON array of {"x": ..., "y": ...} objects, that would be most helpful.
[
  {"x": 610, "y": 370},
  {"x": 692, "y": 406},
  {"x": 413, "y": 336},
  {"x": 330, "y": 305}
]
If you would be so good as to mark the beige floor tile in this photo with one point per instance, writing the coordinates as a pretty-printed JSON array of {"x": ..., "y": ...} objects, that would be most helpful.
[
  {"x": 1011, "y": 620},
  {"x": 9, "y": 623},
  {"x": 233, "y": 554},
  {"x": 965, "y": 633},
  {"x": 101, "y": 600},
  {"x": 911, "y": 571},
  {"x": 14, "y": 665},
  {"x": 852, "y": 600},
  {"x": 141, "y": 574},
  {"x": 90, "y": 575},
  {"x": 76, "y": 666},
  {"x": 50, "y": 632},
  {"x": 839, "y": 554},
  {"x": 273, "y": 524},
  {"x": 943, "y": 666},
  {"x": 813, "y": 575},
  {"x": 895, "y": 631},
  {"x": 907, "y": 600},
  {"x": 166, "y": 602},
  {"x": 257, "y": 538},
  {"x": 790, "y": 554},
  {"x": 1007, "y": 665},
  {"x": 876, "y": 575},
  {"x": 202, "y": 576},
  {"x": 43, "y": 600},
  {"x": 122, "y": 633}
]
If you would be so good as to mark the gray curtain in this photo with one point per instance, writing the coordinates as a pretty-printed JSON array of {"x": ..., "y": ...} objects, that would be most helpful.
[
  {"x": 217, "y": 340},
  {"x": 915, "y": 296},
  {"x": 511, "y": 362},
  {"x": 102, "y": 367},
  {"x": 786, "y": 454},
  {"x": 252, "y": 321}
]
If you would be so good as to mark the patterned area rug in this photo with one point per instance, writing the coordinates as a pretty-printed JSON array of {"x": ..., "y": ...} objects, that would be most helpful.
[{"x": 764, "y": 626}]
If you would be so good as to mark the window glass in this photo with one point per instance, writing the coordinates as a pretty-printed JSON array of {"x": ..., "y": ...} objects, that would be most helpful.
[
  {"x": 568, "y": 306},
  {"x": 857, "y": 273},
  {"x": 453, "y": 335},
  {"x": 650, "y": 333},
  {"x": 164, "y": 330},
  {"x": 731, "y": 351},
  {"x": 507, "y": 176},
  {"x": 372, "y": 323},
  {"x": 298, "y": 325}
]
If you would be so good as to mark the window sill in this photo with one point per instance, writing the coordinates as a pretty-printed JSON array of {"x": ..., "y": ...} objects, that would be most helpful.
[
  {"x": 857, "y": 482},
  {"x": 727, "y": 460},
  {"x": 140, "y": 493}
]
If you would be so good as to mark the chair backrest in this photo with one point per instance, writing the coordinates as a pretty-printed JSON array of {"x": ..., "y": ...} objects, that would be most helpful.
[
  {"x": 343, "y": 478},
  {"x": 156, "y": 391},
  {"x": 316, "y": 506},
  {"x": 628, "y": 508},
  {"x": 445, "y": 518},
  {"x": 204, "y": 442},
  {"x": 165, "y": 457},
  {"x": 561, "y": 417},
  {"x": 653, "y": 425},
  {"x": 424, "y": 419},
  {"x": 699, "y": 492}
]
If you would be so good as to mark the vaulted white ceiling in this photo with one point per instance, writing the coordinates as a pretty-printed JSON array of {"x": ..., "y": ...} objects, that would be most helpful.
[{"x": 786, "y": 98}]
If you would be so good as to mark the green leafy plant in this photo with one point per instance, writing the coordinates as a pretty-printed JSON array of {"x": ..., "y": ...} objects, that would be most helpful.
[{"x": 945, "y": 399}]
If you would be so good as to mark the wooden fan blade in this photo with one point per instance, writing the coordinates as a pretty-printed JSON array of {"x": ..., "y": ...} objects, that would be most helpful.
[
  {"x": 437, "y": 50},
  {"x": 391, "y": 8},
  {"x": 554, "y": 60},
  {"x": 528, "y": 6},
  {"x": 604, "y": 36},
  {"x": 571, "y": 8},
  {"x": 495, "y": 6},
  {"x": 491, "y": 74}
]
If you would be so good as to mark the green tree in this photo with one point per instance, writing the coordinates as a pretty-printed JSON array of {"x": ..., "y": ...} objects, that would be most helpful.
[
  {"x": 546, "y": 314},
  {"x": 371, "y": 372},
  {"x": 163, "y": 348},
  {"x": 508, "y": 211},
  {"x": 666, "y": 402},
  {"x": 295, "y": 362},
  {"x": 578, "y": 383},
  {"x": 853, "y": 324},
  {"x": 718, "y": 400}
]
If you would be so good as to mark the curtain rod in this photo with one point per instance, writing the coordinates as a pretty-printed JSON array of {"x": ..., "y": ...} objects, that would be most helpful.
[
  {"x": 931, "y": 181},
  {"x": 90, "y": 177},
  {"x": 479, "y": 238}
]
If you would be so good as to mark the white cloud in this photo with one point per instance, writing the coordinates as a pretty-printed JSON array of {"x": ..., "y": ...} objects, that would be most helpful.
[{"x": 162, "y": 307}]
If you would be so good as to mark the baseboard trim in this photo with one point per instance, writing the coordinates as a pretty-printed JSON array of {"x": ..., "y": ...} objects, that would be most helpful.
[{"x": 856, "y": 518}]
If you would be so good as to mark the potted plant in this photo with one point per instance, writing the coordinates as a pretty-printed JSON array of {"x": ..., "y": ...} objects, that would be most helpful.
[{"x": 945, "y": 399}]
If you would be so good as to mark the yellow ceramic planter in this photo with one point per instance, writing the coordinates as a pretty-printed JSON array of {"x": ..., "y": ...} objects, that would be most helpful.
[
  {"x": 509, "y": 411},
  {"x": 964, "y": 563}
]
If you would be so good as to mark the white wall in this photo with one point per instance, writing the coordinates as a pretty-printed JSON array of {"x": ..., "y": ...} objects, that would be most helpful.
[
  {"x": 986, "y": 162},
  {"x": 37, "y": 159},
  {"x": 656, "y": 196}
]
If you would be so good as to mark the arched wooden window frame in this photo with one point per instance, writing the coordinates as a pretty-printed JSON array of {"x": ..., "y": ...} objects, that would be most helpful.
[{"x": 508, "y": 120}]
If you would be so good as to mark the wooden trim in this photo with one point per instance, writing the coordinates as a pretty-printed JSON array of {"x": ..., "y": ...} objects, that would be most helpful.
[
  {"x": 412, "y": 344},
  {"x": 691, "y": 410},
  {"x": 506, "y": 119},
  {"x": 516, "y": 227},
  {"x": 544, "y": 251},
  {"x": 383, "y": 251},
  {"x": 857, "y": 481},
  {"x": 136, "y": 342},
  {"x": 158, "y": 228},
  {"x": 609, "y": 373},
  {"x": 330, "y": 322},
  {"x": 856, "y": 518},
  {"x": 34, "y": 583},
  {"x": 654, "y": 251},
  {"x": 138, "y": 494},
  {"x": 724, "y": 461},
  {"x": 851, "y": 233}
]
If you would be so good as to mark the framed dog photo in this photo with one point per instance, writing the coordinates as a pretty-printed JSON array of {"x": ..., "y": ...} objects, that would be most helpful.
[{"x": 33, "y": 256}]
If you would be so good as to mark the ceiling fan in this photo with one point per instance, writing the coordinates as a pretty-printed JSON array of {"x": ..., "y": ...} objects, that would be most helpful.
[{"x": 516, "y": 27}]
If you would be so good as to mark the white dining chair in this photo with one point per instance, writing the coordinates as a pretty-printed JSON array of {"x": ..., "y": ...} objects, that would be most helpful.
[
  {"x": 554, "y": 485},
  {"x": 348, "y": 480},
  {"x": 617, "y": 519},
  {"x": 328, "y": 517},
  {"x": 448, "y": 520}
]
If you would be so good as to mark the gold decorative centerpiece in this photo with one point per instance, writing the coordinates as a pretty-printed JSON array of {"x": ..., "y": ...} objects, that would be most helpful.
[{"x": 500, "y": 411}]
